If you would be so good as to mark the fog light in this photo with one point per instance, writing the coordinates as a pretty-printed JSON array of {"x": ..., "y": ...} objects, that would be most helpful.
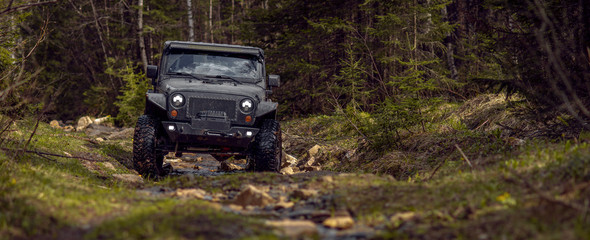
[
  {"x": 171, "y": 128},
  {"x": 173, "y": 113},
  {"x": 249, "y": 133}
]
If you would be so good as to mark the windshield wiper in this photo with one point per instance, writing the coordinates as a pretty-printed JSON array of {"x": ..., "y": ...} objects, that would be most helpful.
[
  {"x": 225, "y": 77},
  {"x": 188, "y": 75}
]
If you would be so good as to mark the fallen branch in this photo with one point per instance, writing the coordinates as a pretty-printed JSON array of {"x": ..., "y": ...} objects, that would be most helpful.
[
  {"x": 504, "y": 126},
  {"x": 50, "y": 154},
  {"x": 436, "y": 169},
  {"x": 481, "y": 125},
  {"x": 464, "y": 157},
  {"x": 80, "y": 138},
  {"x": 10, "y": 8}
]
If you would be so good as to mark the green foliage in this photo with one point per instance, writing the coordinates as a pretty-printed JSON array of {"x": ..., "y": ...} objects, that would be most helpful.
[
  {"x": 131, "y": 102},
  {"x": 98, "y": 99}
]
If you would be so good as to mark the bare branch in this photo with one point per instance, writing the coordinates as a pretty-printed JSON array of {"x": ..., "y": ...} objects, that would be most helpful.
[
  {"x": 464, "y": 157},
  {"x": 11, "y": 9},
  {"x": 52, "y": 154}
]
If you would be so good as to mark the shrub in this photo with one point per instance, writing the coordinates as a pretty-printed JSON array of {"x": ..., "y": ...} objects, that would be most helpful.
[{"x": 131, "y": 102}]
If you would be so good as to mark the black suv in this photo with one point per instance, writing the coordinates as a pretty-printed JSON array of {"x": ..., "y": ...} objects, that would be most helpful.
[{"x": 209, "y": 98}]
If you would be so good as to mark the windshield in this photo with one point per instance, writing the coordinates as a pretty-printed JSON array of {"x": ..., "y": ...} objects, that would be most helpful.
[{"x": 242, "y": 67}]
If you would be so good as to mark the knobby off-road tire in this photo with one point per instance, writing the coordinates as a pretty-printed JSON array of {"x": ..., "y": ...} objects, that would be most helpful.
[
  {"x": 267, "y": 147},
  {"x": 146, "y": 160}
]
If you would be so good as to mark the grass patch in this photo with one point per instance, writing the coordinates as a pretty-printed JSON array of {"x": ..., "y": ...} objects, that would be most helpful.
[
  {"x": 491, "y": 202},
  {"x": 168, "y": 219},
  {"x": 76, "y": 196}
]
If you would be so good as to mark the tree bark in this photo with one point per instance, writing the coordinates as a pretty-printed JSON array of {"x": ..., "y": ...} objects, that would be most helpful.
[
  {"x": 211, "y": 20},
  {"x": 450, "y": 51},
  {"x": 99, "y": 32},
  {"x": 191, "y": 25},
  {"x": 233, "y": 7},
  {"x": 140, "y": 35}
]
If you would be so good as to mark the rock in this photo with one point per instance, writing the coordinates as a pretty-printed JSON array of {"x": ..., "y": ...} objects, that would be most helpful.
[
  {"x": 399, "y": 218},
  {"x": 310, "y": 157},
  {"x": 311, "y": 168},
  {"x": 313, "y": 151},
  {"x": 339, "y": 222},
  {"x": 514, "y": 142},
  {"x": 234, "y": 207},
  {"x": 287, "y": 171},
  {"x": 129, "y": 178},
  {"x": 288, "y": 160},
  {"x": 83, "y": 122},
  {"x": 126, "y": 133},
  {"x": 68, "y": 128},
  {"x": 109, "y": 166},
  {"x": 304, "y": 193},
  {"x": 308, "y": 162},
  {"x": 240, "y": 161},
  {"x": 55, "y": 124},
  {"x": 251, "y": 196},
  {"x": 310, "y": 213},
  {"x": 283, "y": 205},
  {"x": 218, "y": 197},
  {"x": 190, "y": 193},
  {"x": 95, "y": 130},
  {"x": 295, "y": 228},
  {"x": 229, "y": 167}
]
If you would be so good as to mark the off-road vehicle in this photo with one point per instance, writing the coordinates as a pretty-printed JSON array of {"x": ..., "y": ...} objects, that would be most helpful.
[{"x": 209, "y": 98}]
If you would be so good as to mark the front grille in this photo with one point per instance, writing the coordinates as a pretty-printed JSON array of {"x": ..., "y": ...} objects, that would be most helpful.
[{"x": 205, "y": 107}]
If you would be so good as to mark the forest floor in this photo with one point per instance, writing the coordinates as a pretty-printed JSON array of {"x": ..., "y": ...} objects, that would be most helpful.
[{"x": 464, "y": 178}]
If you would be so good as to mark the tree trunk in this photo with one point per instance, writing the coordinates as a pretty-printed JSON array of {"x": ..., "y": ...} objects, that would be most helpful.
[
  {"x": 450, "y": 51},
  {"x": 218, "y": 24},
  {"x": 414, "y": 48},
  {"x": 140, "y": 35},
  {"x": 191, "y": 26},
  {"x": 211, "y": 20},
  {"x": 99, "y": 32},
  {"x": 233, "y": 7}
]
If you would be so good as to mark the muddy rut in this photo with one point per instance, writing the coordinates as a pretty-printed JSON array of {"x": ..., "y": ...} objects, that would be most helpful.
[{"x": 298, "y": 206}]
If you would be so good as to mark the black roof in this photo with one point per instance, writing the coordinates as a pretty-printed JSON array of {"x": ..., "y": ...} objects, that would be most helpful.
[{"x": 214, "y": 47}]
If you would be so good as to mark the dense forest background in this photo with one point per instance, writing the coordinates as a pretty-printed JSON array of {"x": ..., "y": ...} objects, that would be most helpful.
[{"x": 384, "y": 62}]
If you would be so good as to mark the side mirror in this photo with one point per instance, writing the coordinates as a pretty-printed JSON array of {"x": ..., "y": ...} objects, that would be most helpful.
[
  {"x": 152, "y": 72},
  {"x": 274, "y": 80}
]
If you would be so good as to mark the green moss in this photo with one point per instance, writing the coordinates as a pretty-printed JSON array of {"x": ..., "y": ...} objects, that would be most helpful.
[
  {"x": 172, "y": 220},
  {"x": 54, "y": 197}
]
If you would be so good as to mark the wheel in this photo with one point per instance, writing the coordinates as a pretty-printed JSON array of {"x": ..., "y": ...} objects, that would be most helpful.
[
  {"x": 146, "y": 160},
  {"x": 266, "y": 151}
]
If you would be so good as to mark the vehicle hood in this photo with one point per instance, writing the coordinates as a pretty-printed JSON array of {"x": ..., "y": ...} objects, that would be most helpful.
[{"x": 217, "y": 87}]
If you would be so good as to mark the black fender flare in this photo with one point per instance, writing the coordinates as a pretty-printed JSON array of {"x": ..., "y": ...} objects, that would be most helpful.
[
  {"x": 156, "y": 99},
  {"x": 266, "y": 108}
]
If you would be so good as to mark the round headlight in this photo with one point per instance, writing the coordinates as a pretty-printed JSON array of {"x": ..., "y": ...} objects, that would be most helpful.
[
  {"x": 246, "y": 105},
  {"x": 177, "y": 100}
]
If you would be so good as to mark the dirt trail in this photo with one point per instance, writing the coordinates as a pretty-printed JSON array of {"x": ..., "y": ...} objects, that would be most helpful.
[{"x": 298, "y": 205}]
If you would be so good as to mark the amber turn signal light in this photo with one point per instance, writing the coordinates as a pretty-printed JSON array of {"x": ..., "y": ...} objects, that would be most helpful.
[
  {"x": 173, "y": 113},
  {"x": 248, "y": 119}
]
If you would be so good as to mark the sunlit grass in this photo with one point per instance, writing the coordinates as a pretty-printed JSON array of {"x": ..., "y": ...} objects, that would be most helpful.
[{"x": 43, "y": 196}]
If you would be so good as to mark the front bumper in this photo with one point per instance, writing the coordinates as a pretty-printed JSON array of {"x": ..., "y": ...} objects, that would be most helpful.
[{"x": 203, "y": 133}]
